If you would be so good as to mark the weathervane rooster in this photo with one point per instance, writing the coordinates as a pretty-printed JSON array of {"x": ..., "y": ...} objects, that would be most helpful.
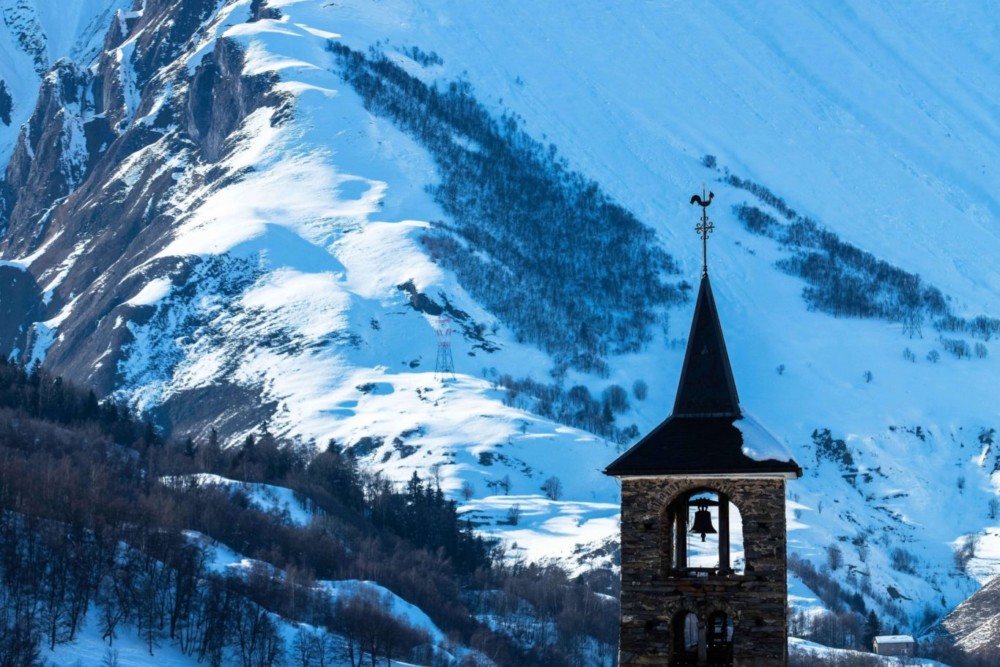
[
  {"x": 705, "y": 227},
  {"x": 695, "y": 199}
]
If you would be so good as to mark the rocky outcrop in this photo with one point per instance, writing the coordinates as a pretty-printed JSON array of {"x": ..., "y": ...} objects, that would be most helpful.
[
  {"x": 50, "y": 156},
  {"x": 259, "y": 11},
  {"x": 162, "y": 31},
  {"x": 94, "y": 178},
  {"x": 6, "y": 104},
  {"x": 20, "y": 305},
  {"x": 220, "y": 98}
]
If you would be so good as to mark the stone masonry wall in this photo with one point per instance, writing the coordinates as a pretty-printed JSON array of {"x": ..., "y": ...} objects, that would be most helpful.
[{"x": 755, "y": 600}]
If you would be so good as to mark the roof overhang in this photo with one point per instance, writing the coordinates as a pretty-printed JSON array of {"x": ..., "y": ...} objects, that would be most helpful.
[
  {"x": 696, "y": 446},
  {"x": 715, "y": 475}
]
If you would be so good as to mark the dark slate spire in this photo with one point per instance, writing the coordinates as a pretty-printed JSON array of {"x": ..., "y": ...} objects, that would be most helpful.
[
  {"x": 707, "y": 388},
  {"x": 707, "y": 434}
]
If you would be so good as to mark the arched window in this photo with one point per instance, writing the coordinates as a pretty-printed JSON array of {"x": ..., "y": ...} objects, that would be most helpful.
[
  {"x": 698, "y": 643},
  {"x": 702, "y": 534},
  {"x": 686, "y": 638},
  {"x": 719, "y": 639}
]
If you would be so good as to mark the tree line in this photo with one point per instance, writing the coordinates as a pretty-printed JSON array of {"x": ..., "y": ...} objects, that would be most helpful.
[
  {"x": 842, "y": 279},
  {"x": 538, "y": 244},
  {"x": 88, "y": 531},
  {"x": 575, "y": 406},
  {"x": 845, "y": 281}
]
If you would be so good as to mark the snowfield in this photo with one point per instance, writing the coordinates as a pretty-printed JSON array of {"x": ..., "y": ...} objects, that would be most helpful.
[{"x": 804, "y": 649}]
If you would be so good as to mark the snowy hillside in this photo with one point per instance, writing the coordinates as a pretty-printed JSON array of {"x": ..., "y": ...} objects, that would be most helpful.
[{"x": 250, "y": 243}]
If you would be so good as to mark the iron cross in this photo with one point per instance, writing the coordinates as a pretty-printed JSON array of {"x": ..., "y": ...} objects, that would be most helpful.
[{"x": 704, "y": 228}]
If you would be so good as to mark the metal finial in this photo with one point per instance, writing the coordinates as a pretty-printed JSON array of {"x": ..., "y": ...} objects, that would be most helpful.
[{"x": 705, "y": 227}]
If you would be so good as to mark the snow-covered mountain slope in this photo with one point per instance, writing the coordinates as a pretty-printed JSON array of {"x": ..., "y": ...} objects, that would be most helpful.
[{"x": 232, "y": 248}]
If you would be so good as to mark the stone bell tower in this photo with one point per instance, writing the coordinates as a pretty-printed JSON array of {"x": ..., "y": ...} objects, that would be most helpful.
[{"x": 703, "y": 520}]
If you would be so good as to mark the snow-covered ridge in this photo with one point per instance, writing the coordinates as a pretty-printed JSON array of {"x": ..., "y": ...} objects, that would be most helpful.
[{"x": 275, "y": 500}]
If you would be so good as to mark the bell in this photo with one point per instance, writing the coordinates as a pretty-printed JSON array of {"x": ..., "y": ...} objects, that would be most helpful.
[{"x": 703, "y": 522}]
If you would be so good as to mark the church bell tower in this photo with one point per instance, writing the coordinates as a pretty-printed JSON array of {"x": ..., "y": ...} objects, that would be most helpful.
[{"x": 703, "y": 535}]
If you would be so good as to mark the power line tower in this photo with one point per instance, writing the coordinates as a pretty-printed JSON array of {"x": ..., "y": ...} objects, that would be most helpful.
[
  {"x": 444, "y": 368},
  {"x": 911, "y": 324}
]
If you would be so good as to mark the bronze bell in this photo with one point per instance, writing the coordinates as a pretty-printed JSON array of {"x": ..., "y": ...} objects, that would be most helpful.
[{"x": 703, "y": 521}]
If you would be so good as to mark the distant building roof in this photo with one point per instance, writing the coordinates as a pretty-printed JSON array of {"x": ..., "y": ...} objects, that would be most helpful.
[
  {"x": 707, "y": 434},
  {"x": 895, "y": 639}
]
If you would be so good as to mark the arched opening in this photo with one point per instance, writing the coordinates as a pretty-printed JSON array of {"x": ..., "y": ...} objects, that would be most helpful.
[
  {"x": 686, "y": 642},
  {"x": 719, "y": 639},
  {"x": 697, "y": 643},
  {"x": 702, "y": 534}
]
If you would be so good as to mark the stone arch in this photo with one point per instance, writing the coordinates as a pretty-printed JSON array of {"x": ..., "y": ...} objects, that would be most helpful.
[
  {"x": 720, "y": 631},
  {"x": 651, "y": 599},
  {"x": 678, "y": 556},
  {"x": 674, "y": 488},
  {"x": 687, "y": 638},
  {"x": 699, "y": 637}
]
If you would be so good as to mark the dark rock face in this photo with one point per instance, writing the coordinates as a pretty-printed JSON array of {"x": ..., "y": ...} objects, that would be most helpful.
[
  {"x": 220, "y": 98},
  {"x": 166, "y": 26},
  {"x": 20, "y": 305},
  {"x": 6, "y": 103},
  {"x": 44, "y": 167},
  {"x": 92, "y": 184},
  {"x": 108, "y": 87},
  {"x": 259, "y": 11},
  {"x": 228, "y": 407},
  {"x": 652, "y": 598}
]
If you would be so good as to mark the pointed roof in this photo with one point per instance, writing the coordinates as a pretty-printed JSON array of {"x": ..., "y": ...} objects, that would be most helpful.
[
  {"x": 707, "y": 434},
  {"x": 706, "y": 388}
]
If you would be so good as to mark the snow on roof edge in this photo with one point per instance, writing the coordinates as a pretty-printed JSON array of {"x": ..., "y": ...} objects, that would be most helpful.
[{"x": 760, "y": 444}]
